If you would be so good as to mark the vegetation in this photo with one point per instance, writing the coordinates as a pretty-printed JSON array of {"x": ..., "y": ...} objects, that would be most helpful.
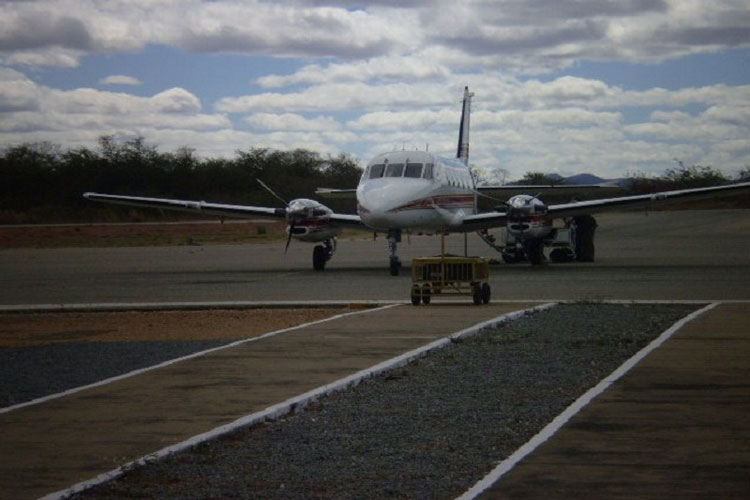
[{"x": 41, "y": 182}]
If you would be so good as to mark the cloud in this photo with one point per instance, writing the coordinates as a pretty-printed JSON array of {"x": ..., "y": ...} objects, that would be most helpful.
[
  {"x": 120, "y": 80},
  {"x": 292, "y": 121},
  {"x": 528, "y": 35},
  {"x": 32, "y": 112}
]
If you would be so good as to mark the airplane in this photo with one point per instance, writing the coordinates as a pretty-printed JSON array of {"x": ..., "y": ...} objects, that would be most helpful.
[{"x": 416, "y": 192}]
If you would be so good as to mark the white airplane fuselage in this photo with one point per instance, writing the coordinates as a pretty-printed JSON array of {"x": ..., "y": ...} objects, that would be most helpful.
[{"x": 415, "y": 191}]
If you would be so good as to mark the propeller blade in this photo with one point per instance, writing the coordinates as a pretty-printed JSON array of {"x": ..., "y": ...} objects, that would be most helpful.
[
  {"x": 289, "y": 238},
  {"x": 272, "y": 192}
]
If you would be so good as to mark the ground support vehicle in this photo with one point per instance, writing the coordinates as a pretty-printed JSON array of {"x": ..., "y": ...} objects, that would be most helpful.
[{"x": 450, "y": 276}]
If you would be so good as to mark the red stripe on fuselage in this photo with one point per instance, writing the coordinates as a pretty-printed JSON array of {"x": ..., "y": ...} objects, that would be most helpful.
[{"x": 445, "y": 201}]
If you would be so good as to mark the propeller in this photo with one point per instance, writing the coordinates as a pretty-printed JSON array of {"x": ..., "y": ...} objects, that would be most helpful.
[
  {"x": 284, "y": 211},
  {"x": 282, "y": 200}
]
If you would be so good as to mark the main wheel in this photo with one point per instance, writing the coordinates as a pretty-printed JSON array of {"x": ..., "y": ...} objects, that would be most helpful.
[
  {"x": 534, "y": 251},
  {"x": 319, "y": 258}
]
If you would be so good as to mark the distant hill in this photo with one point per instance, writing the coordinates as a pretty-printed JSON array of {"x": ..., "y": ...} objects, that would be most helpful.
[
  {"x": 583, "y": 179},
  {"x": 579, "y": 179}
]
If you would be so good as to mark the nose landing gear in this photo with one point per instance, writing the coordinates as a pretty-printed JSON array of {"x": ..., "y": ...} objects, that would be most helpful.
[{"x": 394, "y": 238}]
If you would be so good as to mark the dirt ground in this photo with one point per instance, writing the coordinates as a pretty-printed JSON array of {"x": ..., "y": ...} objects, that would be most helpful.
[
  {"x": 32, "y": 329},
  {"x": 139, "y": 234}
]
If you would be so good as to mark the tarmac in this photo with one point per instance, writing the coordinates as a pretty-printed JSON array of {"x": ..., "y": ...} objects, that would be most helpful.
[
  {"x": 63, "y": 441},
  {"x": 676, "y": 424}
]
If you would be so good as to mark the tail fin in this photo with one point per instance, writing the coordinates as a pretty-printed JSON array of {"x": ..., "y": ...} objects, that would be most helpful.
[{"x": 463, "y": 131}]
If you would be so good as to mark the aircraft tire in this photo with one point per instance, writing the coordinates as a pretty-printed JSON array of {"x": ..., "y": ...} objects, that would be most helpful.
[
  {"x": 395, "y": 267},
  {"x": 319, "y": 258},
  {"x": 535, "y": 251}
]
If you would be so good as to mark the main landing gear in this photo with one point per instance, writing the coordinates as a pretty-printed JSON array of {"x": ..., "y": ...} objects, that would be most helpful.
[
  {"x": 323, "y": 253},
  {"x": 394, "y": 238}
]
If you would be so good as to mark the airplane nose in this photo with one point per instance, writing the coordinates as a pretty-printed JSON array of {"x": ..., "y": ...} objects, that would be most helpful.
[{"x": 373, "y": 206}]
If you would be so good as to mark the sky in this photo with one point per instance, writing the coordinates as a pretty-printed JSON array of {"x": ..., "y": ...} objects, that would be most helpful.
[{"x": 613, "y": 88}]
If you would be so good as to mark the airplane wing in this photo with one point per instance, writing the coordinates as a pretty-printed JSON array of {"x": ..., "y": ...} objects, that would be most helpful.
[
  {"x": 562, "y": 189},
  {"x": 496, "y": 219},
  {"x": 218, "y": 209},
  {"x": 333, "y": 193},
  {"x": 645, "y": 200}
]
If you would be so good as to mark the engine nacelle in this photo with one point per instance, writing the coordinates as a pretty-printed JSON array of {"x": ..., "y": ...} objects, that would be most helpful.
[
  {"x": 309, "y": 220},
  {"x": 527, "y": 218}
]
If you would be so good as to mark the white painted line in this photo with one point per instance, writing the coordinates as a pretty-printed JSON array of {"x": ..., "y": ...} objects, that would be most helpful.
[
  {"x": 293, "y": 404},
  {"x": 183, "y": 358},
  {"x": 168, "y": 306},
  {"x": 551, "y": 428},
  {"x": 165, "y": 306}
]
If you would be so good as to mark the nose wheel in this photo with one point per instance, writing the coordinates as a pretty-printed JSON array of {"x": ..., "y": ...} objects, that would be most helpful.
[{"x": 394, "y": 238}]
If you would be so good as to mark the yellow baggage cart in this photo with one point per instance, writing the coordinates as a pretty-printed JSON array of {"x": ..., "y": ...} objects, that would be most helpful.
[{"x": 433, "y": 276}]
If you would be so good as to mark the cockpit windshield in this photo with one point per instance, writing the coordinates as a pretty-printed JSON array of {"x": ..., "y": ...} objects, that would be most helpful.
[
  {"x": 394, "y": 170},
  {"x": 413, "y": 170},
  {"x": 376, "y": 171}
]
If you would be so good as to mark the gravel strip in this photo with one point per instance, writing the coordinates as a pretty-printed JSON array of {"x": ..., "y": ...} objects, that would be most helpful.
[
  {"x": 28, "y": 373},
  {"x": 429, "y": 430}
]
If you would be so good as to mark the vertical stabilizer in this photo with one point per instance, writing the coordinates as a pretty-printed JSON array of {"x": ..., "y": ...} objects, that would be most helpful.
[{"x": 463, "y": 131}]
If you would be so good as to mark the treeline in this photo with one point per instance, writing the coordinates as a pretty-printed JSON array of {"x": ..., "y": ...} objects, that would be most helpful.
[
  {"x": 41, "y": 182},
  {"x": 679, "y": 177}
]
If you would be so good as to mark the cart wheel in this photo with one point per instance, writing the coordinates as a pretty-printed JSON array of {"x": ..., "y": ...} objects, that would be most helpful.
[
  {"x": 426, "y": 294},
  {"x": 476, "y": 293},
  {"x": 486, "y": 293},
  {"x": 416, "y": 295}
]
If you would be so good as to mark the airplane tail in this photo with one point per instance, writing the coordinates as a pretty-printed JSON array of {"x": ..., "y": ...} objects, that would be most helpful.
[{"x": 463, "y": 131}]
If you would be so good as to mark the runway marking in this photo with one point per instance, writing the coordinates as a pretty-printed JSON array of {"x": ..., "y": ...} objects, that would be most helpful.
[
  {"x": 139, "y": 371},
  {"x": 296, "y": 403},
  {"x": 550, "y": 429}
]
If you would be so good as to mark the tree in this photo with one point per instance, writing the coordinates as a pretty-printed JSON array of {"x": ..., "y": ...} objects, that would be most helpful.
[
  {"x": 531, "y": 178},
  {"x": 684, "y": 177},
  {"x": 744, "y": 174}
]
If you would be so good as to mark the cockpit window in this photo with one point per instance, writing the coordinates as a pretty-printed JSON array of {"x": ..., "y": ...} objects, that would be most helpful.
[
  {"x": 413, "y": 170},
  {"x": 394, "y": 170},
  {"x": 376, "y": 171},
  {"x": 427, "y": 174}
]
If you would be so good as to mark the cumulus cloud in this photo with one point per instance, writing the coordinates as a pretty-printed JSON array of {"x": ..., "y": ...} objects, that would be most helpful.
[
  {"x": 33, "y": 112},
  {"x": 120, "y": 80},
  {"x": 292, "y": 121},
  {"x": 526, "y": 34},
  {"x": 385, "y": 74}
]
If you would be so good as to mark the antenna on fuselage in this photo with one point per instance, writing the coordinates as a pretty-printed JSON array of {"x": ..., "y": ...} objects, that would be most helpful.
[{"x": 463, "y": 131}]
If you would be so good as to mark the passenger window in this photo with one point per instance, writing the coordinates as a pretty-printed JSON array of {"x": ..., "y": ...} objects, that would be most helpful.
[
  {"x": 413, "y": 170},
  {"x": 376, "y": 171},
  {"x": 427, "y": 174},
  {"x": 394, "y": 170}
]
